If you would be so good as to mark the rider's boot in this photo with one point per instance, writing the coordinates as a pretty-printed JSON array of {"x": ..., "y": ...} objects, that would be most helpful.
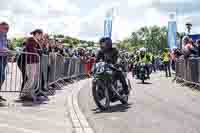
[
  {"x": 126, "y": 90},
  {"x": 148, "y": 77}
]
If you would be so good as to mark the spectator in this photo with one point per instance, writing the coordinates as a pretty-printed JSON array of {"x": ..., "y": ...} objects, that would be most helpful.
[
  {"x": 173, "y": 60},
  {"x": 61, "y": 49},
  {"x": 177, "y": 53},
  {"x": 187, "y": 46},
  {"x": 21, "y": 62},
  {"x": 45, "y": 44},
  {"x": 56, "y": 46},
  {"x": 193, "y": 49},
  {"x": 70, "y": 50},
  {"x": 4, "y": 27},
  {"x": 33, "y": 46},
  {"x": 44, "y": 64},
  {"x": 51, "y": 45},
  {"x": 198, "y": 47},
  {"x": 92, "y": 61},
  {"x": 166, "y": 62}
]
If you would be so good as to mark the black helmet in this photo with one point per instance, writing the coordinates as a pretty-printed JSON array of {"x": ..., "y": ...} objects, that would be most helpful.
[{"x": 107, "y": 41}]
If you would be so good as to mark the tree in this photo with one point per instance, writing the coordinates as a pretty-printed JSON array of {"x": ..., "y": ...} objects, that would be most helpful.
[
  {"x": 154, "y": 38},
  {"x": 179, "y": 35},
  {"x": 83, "y": 41},
  {"x": 68, "y": 40},
  {"x": 75, "y": 41},
  {"x": 59, "y": 36},
  {"x": 90, "y": 44},
  {"x": 16, "y": 42}
]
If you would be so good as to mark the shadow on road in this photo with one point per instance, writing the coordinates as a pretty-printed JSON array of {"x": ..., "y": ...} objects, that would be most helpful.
[
  {"x": 113, "y": 108},
  {"x": 30, "y": 103},
  {"x": 2, "y": 104},
  {"x": 145, "y": 83}
]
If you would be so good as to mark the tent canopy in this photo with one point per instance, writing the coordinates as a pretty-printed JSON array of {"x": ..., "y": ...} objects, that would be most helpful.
[{"x": 195, "y": 37}]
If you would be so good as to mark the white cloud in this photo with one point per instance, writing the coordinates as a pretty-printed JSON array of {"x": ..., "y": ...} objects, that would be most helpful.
[
  {"x": 128, "y": 18},
  {"x": 92, "y": 26},
  {"x": 25, "y": 15},
  {"x": 64, "y": 16},
  {"x": 140, "y": 3}
]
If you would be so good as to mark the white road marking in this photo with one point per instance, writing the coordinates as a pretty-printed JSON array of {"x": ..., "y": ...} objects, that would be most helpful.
[
  {"x": 78, "y": 119},
  {"x": 114, "y": 118}
]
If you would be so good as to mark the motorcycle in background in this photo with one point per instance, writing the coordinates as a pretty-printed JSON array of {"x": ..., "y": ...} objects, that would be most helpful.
[{"x": 143, "y": 75}]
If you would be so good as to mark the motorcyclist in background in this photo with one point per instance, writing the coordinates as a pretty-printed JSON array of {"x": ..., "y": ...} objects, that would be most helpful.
[
  {"x": 123, "y": 62},
  {"x": 110, "y": 55},
  {"x": 153, "y": 61},
  {"x": 131, "y": 62},
  {"x": 143, "y": 57}
]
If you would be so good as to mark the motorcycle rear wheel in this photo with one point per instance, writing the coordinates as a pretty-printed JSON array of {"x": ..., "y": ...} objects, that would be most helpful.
[
  {"x": 124, "y": 100},
  {"x": 142, "y": 81}
]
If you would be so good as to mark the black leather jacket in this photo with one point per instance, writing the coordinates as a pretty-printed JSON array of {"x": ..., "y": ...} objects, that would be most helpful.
[{"x": 108, "y": 55}]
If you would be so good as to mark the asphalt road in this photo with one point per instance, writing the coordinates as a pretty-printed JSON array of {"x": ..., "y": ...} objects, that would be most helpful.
[
  {"x": 161, "y": 106},
  {"x": 26, "y": 117}
]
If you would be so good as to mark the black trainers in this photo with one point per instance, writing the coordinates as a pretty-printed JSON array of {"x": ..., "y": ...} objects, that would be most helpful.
[
  {"x": 2, "y": 99},
  {"x": 25, "y": 98}
]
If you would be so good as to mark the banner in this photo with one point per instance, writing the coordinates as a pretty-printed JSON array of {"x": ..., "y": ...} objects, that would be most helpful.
[
  {"x": 172, "y": 29},
  {"x": 108, "y": 24}
]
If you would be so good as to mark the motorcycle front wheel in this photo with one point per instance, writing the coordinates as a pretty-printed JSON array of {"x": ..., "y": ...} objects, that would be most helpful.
[{"x": 101, "y": 95}]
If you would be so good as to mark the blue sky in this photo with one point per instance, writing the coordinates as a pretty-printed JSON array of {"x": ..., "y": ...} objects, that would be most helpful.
[{"x": 85, "y": 18}]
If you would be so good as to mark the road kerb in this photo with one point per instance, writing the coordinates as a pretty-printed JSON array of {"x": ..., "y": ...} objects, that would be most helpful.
[{"x": 79, "y": 121}]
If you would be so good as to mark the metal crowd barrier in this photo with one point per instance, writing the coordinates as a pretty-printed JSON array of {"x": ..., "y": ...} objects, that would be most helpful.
[
  {"x": 188, "y": 70},
  {"x": 48, "y": 70},
  {"x": 20, "y": 72},
  {"x": 64, "y": 68}
]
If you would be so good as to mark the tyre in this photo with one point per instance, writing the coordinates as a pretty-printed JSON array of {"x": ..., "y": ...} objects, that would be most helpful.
[
  {"x": 142, "y": 78},
  {"x": 101, "y": 95},
  {"x": 142, "y": 81},
  {"x": 124, "y": 100}
]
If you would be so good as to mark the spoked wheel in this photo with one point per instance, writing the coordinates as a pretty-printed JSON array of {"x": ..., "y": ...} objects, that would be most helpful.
[
  {"x": 124, "y": 100},
  {"x": 101, "y": 95}
]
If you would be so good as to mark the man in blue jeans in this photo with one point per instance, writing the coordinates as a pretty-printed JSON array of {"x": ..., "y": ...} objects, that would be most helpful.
[{"x": 4, "y": 27}]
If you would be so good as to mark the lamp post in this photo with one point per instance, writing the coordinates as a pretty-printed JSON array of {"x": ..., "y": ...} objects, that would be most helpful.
[{"x": 189, "y": 27}]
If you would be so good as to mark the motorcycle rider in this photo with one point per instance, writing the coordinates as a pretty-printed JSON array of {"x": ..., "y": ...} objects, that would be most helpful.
[
  {"x": 143, "y": 58},
  {"x": 153, "y": 62},
  {"x": 110, "y": 55}
]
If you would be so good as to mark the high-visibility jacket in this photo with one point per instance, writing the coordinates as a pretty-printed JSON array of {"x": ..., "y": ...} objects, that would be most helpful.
[
  {"x": 151, "y": 56},
  {"x": 144, "y": 59},
  {"x": 166, "y": 57}
]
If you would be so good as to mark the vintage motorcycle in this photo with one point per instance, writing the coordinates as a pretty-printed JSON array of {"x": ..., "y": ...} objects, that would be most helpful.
[{"x": 106, "y": 90}]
